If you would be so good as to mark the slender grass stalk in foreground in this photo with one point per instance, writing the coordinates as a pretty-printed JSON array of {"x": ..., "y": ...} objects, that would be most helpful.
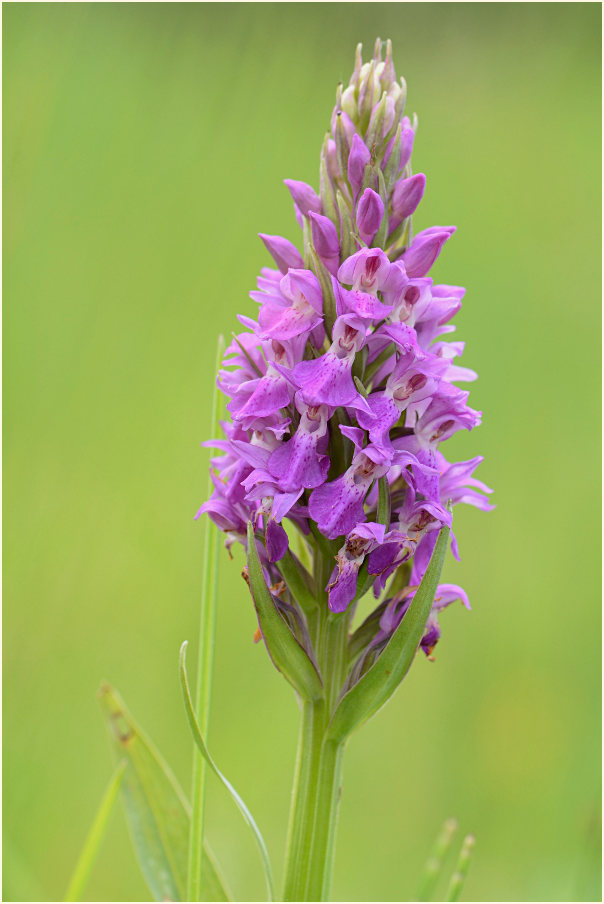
[
  {"x": 198, "y": 737},
  {"x": 204, "y": 677},
  {"x": 434, "y": 864},
  {"x": 463, "y": 864},
  {"x": 95, "y": 836}
]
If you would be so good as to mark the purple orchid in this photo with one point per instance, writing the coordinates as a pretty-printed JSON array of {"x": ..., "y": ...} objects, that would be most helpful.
[
  {"x": 343, "y": 389},
  {"x": 342, "y": 585}
]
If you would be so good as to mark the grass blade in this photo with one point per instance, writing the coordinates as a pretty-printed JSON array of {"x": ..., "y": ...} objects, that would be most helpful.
[
  {"x": 204, "y": 671},
  {"x": 434, "y": 864},
  {"x": 157, "y": 811},
  {"x": 95, "y": 836},
  {"x": 463, "y": 864},
  {"x": 204, "y": 752}
]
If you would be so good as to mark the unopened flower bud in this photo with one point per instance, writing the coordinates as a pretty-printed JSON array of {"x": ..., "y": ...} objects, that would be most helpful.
[
  {"x": 325, "y": 241},
  {"x": 407, "y": 137},
  {"x": 331, "y": 159},
  {"x": 369, "y": 215},
  {"x": 349, "y": 103},
  {"x": 357, "y": 161},
  {"x": 369, "y": 88},
  {"x": 344, "y": 131},
  {"x": 382, "y": 119},
  {"x": 346, "y": 122},
  {"x": 406, "y": 195},
  {"x": 388, "y": 72}
]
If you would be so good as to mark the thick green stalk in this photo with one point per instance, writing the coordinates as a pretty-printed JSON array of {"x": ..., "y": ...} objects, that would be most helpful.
[
  {"x": 304, "y": 794},
  {"x": 318, "y": 877},
  {"x": 298, "y": 801},
  {"x": 204, "y": 679},
  {"x": 316, "y": 786},
  {"x": 324, "y": 822}
]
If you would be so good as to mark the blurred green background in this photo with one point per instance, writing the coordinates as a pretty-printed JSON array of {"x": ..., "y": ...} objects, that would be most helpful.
[{"x": 144, "y": 148}]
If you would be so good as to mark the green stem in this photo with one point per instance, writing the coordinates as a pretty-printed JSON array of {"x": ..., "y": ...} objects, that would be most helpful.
[
  {"x": 316, "y": 787},
  {"x": 204, "y": 680},
  {"x": 325, "y": 822},
  {"x": 318, "y": 876},
  {"x": 298, "y": 801},
  {"x": 303, "y": 798}
]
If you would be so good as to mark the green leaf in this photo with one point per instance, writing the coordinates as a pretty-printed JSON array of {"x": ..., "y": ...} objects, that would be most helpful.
[
  {"x": 434, "y": 864},
  {"x": 299, "y": 582},
  {"x": 463, "y": 864},
  {"x": 347, "y": 244},
  {"x": 401, "y": 237},
  {"x": 246, "y": 354},
  {"x": 392, "y": 167},
  {"x": 400, "y": 579},
  {"x": 378, "y": 115},
  {"x": 324, "y": 277},
  {"x": 367, "y": 101},
  {"x": 383, "y": 510},
  {"x": 95, "y": 836},
  {"x": 380, "y": 236},
  {"x": 249, "y": 819},
  {"x": 325, "y": 186},
  {"x": 370, "y": 693},
  {"x": 366, "y": 631},
  {"x": 329, "y": 548},
  {"x": 359, "y": 385},
  {"x": 157, "y": 811},
  {"x": 287, "y": 654},
  {"x": 373, "y": 368},
  {"x": 342, "y": 147}
]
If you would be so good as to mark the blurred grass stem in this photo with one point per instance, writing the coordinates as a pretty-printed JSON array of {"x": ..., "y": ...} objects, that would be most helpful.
[
  {"x": 463, "y": 864},
  {"x": 434, "y": 864},
  {"x": 203, "y": 685}
]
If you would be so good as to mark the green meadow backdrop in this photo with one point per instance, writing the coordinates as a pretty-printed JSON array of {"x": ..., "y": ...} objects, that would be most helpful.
[{"x": 144, "y": 147}]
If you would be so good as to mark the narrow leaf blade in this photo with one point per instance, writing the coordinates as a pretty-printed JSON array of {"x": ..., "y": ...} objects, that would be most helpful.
[
  {"x": 198, "y": 737},
  {"x": 383, "y": 511},
  {"x": 379, "y": 683},
  {"x": 95, "y": 836},
  {"x": 434, "y": 864},
  {"x": 283, "y": 648},
  {"x": 157, "y": 811},
  {"x": 207, "y": 620},
  {"x": 463, "y": 864},
  {"x": 291, "y": 571}
]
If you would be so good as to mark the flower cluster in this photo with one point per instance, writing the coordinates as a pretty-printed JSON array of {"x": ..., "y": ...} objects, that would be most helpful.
[{"x": 343, "y": 390}]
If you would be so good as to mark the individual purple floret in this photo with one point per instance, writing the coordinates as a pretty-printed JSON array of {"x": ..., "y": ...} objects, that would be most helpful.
[{"x": 343, "y": 389}]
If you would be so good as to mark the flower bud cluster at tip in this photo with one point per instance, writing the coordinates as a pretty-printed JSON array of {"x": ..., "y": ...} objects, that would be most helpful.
[{"x": 344, "y": 381}]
